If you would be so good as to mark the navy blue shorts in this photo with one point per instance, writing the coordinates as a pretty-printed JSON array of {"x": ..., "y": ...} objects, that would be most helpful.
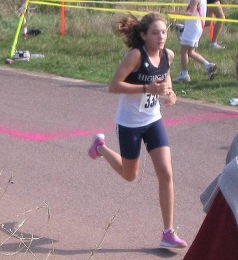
[{"x": 153, "y": 135}]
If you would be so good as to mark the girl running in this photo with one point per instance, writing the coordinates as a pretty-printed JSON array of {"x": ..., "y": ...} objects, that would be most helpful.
[{"x": 142, "y": 76}]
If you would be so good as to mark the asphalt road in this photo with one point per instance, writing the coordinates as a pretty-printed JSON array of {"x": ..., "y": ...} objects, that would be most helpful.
[{"x": 57, "y": 203}]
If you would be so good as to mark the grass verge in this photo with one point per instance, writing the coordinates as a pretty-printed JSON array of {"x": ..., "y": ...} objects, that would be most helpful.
[{"x": 91, "y": 51}]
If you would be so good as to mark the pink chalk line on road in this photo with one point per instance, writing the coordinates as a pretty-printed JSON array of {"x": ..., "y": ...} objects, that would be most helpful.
[
  {"x": 45, "y": 137},
  {"x": 191, "y": 119}
]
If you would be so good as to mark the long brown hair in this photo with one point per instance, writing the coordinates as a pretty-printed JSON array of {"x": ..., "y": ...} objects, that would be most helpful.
[{"x": 130, "y": 28}]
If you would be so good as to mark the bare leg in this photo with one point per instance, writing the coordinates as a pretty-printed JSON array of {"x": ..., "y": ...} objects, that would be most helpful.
[
  {"x": 184, "y": 56},
  {"x": 216, "y": 11},
  {"x": 190, "y": 52},
  {"x": 161, "y": 158},
  {"x": 128, "y": 169},
  {"x": 196, "y": 56},
  {"x": 210, "y": 68}
]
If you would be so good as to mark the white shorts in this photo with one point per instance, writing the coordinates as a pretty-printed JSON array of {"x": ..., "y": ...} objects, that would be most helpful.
[
  {"x": 189, "y": 43},
  {"x": 192, "y": 33}
]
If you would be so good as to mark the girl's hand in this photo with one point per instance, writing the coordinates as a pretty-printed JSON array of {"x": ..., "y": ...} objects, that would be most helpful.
[
  {"x": 171, "y": 98},
  {"x": 161, "y": 88}
]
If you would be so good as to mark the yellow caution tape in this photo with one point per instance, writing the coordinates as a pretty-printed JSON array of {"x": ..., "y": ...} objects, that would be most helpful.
[{"x": 141, "y": 13}]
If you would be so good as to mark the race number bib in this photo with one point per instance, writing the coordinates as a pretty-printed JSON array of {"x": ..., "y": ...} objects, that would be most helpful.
[{"x": 148, "y": 101}]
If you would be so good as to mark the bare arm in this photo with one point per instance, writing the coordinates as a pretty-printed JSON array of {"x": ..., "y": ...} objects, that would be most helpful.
[
  {"x": 171, "y": 96},
  {"x": 191, "y": 11},
  {"x": 129, "y": 64}
]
